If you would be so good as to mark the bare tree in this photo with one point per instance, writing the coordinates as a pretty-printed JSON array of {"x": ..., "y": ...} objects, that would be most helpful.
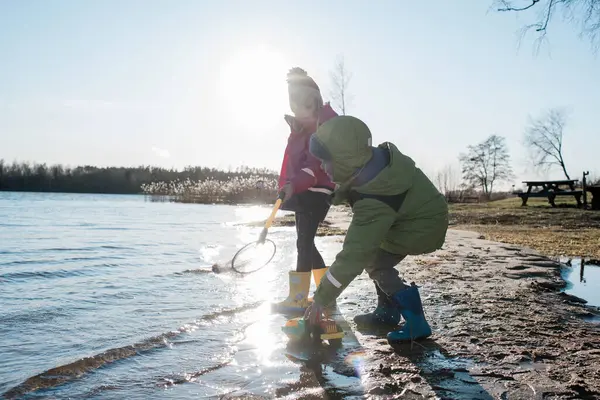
[
  {"x": 340, "y": 79},
  {"x": 585, "y": 13},
  {"x": 544, "y": 139},
  {"x": 447, "y": 179},
  {"x": 486, "y": 164}
]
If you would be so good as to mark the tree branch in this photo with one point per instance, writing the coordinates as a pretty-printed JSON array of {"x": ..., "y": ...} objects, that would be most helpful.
[
  {"x": 507, "y": 7},
  {"x": 548, "y": 16},
  {"x": 585, "y": 13},
  {"x": 544, "y": 137}
]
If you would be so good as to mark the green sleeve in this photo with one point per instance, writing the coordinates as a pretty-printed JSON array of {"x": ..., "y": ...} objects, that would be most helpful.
[
  {"x": 340, "y": 196},
  {"x": 370, "y": 224}
]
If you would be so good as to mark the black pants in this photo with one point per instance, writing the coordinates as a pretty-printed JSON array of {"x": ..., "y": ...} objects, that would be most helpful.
[
  {"x": 384, "y": 273},
  {"x": 310, "y": 209}
]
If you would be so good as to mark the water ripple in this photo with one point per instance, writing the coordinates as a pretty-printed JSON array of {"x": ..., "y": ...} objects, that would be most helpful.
[
  {"x": 33, "y": 316},
  {"x": 68, "y": 372},
  {"x": 55, "y": 274}
]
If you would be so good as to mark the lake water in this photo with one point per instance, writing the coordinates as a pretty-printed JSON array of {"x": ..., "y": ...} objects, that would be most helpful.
[{"x": 113, "y": 295}]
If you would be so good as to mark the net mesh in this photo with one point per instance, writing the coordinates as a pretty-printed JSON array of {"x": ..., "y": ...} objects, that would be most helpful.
[{"x": 253, "y": 256}]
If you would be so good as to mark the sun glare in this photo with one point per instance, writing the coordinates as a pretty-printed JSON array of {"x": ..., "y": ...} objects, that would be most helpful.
[{"x": 252, "y": 85}]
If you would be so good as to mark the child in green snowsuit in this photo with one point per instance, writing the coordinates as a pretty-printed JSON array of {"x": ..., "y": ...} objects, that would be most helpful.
[{"x": 397, "y": 212}]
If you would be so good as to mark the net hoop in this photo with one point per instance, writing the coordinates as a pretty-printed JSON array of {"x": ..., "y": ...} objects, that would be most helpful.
[{"x": 256, "y": 269}]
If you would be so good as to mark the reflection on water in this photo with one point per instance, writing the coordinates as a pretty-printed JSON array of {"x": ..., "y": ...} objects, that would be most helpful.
[
  {"x": 583, "y": 280},
  {"x": 261, "y": 338}
]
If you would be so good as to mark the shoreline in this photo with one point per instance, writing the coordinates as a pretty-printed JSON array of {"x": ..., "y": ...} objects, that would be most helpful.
[
  {"x": 503, "y": 327},
  {"x": 564, "y": 232}
]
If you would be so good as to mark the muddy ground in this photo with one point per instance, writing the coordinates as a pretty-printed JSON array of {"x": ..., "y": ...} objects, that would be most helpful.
[{"x": 502, "y": 327}]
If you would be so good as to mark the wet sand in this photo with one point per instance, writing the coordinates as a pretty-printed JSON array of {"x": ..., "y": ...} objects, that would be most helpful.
[{"x": 502, "y": 327}]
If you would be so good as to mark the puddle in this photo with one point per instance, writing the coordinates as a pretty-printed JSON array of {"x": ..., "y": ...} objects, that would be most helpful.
[{"x": 583, "y": 280}]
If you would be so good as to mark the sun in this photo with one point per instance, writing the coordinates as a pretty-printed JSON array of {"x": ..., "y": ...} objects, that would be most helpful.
[{"x": 253, "y": 87}]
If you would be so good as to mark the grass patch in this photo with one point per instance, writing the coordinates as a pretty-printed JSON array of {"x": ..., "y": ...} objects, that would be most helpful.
[{"x": 562, "y": 231}]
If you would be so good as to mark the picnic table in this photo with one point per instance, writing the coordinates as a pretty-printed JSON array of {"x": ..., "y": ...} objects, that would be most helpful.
[
  {"x": 595, "y": 191},
  {"x": 551, "y": 189}
]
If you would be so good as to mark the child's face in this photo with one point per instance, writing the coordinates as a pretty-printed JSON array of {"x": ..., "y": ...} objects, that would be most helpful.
[
  {"x": 303, "y": 103},
  {"x": 304, "y": 115}
]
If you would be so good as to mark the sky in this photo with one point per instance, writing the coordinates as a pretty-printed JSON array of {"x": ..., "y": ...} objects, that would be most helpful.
[{"x": 186, "y": 82}]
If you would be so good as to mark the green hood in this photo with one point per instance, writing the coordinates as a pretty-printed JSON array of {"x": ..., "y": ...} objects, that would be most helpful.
[
  {"x": 348, "y": 141},
  {"x": 397, "y": 177}
]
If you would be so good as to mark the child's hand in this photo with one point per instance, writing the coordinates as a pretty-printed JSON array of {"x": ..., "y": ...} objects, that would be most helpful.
[
  {"x": 314, "y": 313},
  {"x": 288, "y": 191}
]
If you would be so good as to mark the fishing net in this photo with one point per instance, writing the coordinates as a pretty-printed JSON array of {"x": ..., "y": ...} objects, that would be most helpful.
[{"x": 253, "y": 256}]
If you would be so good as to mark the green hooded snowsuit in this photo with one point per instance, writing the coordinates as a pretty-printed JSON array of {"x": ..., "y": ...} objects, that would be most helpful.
[{"x": 399, "y": 210}]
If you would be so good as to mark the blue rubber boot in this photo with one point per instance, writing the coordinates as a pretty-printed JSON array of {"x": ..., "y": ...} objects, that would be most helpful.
[
  {"x": 416, "y": 327},
  {"x": 385, "y": 315}
]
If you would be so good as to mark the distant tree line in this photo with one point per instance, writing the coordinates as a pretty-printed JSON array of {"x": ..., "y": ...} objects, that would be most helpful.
[{"x": 23, "y": 176}]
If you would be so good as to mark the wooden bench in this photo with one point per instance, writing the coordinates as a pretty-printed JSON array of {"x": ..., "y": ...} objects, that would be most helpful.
[
  {"x": 551, "y": 196},
  {"x": 550, "y": 189}
]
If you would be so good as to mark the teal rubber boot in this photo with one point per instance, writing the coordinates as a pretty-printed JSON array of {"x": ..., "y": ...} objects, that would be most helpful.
[
  {"x": 385, "y": 315},
  {"x": 416, "y": 327}
]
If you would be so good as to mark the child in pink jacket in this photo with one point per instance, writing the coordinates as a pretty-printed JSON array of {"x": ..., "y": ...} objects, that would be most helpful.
[{"x": 306, "y": 186}]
